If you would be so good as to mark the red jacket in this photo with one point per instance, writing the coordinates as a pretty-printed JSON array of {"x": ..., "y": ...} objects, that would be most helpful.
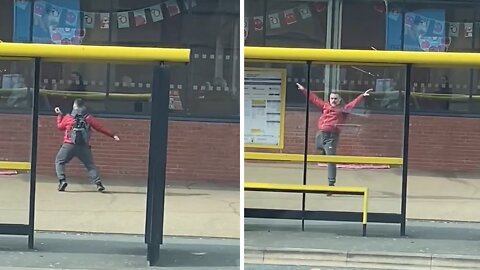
[
  {"x": 65, "y": 124},
  {"x": 332, "y": 116}
]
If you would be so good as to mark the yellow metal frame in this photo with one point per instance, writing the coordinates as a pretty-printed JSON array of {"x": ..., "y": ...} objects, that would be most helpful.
[
  {"x": 283, "y": 93},
  {"x": 343, "y": 56},
  {"x": 15, "y": 166},
  {"x": 89, "y": 53},
  {"x": 323, "y": 158},
  {"x": 312, "y": 189}
]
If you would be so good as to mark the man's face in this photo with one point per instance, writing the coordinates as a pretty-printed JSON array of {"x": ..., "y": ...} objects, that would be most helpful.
[{"x": 334, "y": 100}]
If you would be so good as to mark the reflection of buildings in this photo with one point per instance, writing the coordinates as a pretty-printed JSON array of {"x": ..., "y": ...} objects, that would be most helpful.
[
  {"x": 210, "y": 28},
  {"x": 407, "y": 25}
]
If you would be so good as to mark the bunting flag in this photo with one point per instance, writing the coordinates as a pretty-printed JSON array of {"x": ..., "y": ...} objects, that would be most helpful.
[
  {"x": 172, "y": 7},
  {"x": 468, "y": 27},
  {"x": 123, "y": 20},
  {"x": 289, "y": 16},
  {"x": 104, "y": 20},
  {"x": 140, "y": 18},
  {"x": 64, "y": 17},
  {"x": 88, "y": 19},
  {"x": 453, "y": 29},
  {"x": 274, "y": 21},
  {"x": 258, "y": 23},
  {"x": 304, "y": 11},
  {"x": 156, "y": 13}
]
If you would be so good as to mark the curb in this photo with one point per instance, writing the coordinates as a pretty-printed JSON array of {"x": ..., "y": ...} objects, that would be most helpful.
[{"x": 359, "y": 259}]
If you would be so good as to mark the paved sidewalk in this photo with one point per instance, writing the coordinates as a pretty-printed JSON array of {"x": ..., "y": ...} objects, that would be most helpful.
[
  {"x": 428, "y": 245},
  {"x": 433, "y": 241},
  {"x": 191, "y": 209},
  {"x": 107, "y": 251}
]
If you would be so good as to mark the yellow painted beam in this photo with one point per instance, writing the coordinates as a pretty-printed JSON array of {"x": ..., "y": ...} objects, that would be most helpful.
[
  {"x": 86, "y": 53},
  {"x": 339, "y": 56},
  {"x": 302, "y": 188},
  {"x": 323, "y": 158},
  {"x": 15, "y": 166}
]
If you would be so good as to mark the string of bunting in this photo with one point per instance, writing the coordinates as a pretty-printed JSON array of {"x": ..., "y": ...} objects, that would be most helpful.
[{"x": 58, "y": 15}]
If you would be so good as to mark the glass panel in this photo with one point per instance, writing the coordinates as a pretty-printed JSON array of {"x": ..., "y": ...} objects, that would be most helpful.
[
  {"x": 206, "y": 88},
  {"x": 286, "y": 23},
  {"x": 261, "y": 114},
  {"x": 343, "y": 123},
  {"x": 16, "y": 93}
]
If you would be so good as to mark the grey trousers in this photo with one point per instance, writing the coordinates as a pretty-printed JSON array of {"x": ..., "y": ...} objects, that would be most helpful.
[
  {"x": 327, "y": 142},
  {"x": 83, "y": 152}
]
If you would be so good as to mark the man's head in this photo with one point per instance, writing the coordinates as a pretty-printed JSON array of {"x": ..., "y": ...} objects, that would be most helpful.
[
  {"x": 335, "y": 99},
  {"x": 78, "y": 103}
]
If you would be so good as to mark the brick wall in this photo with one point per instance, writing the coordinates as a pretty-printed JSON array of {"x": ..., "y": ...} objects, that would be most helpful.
[
  {"x": 196, "y": 151},
  {"x": 436, "y": 143}
]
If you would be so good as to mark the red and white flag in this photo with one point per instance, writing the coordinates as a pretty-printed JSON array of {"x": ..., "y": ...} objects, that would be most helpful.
[
  {"x": 140, "y": 18},
  {"x": 289, "y": 16},
  {"x": 172, "y": 7},
  {"x": 258, "y": 23}
]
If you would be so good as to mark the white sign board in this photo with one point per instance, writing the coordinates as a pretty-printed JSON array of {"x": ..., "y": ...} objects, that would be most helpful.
[{"x": 264, "y": 107}]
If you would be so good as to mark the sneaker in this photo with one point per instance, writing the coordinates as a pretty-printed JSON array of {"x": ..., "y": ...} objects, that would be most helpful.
[
  {"x": 100, "y": 187},
  {"x": 62, "y": 185},
  {"x": 330, "y": 184}
]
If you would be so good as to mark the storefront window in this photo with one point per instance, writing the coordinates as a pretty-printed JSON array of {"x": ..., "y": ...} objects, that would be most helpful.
[
  {"x": 286, "y": 23},
  {"x": 422, "y": 26},
  {"x": 208, "y": 87}
]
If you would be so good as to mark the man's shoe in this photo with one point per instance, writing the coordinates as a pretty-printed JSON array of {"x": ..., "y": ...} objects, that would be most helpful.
[
  {"x": 330, "y": 184},
  {"x": 62, "y": 185},
  {"x": 100, "y": 187}
]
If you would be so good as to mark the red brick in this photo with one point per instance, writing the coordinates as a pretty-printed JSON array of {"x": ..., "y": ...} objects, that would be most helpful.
[
  {"x": 197, "y": 151},
  {"x": 436, "y": 143}
]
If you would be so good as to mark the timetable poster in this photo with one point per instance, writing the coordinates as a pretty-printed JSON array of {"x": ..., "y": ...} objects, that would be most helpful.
[{"x": 264, "y": 107}]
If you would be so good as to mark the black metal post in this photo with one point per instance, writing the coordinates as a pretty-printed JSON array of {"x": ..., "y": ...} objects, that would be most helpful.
[
  {"x": 406, "y": 132},
  {"x": 157, "y": 166},
  {"x": 33, "y": 154},
  {"x": 305, "y": 152}
]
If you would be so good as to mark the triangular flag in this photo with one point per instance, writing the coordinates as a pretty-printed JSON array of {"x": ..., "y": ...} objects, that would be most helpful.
[
  {"x": 172, "y": 7},
  {"x": 88, "y": 19},
  {"x": 140, "y": 18},
  {"x": 156, "y": 13},
  {"x": 123, "y": 20}
]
